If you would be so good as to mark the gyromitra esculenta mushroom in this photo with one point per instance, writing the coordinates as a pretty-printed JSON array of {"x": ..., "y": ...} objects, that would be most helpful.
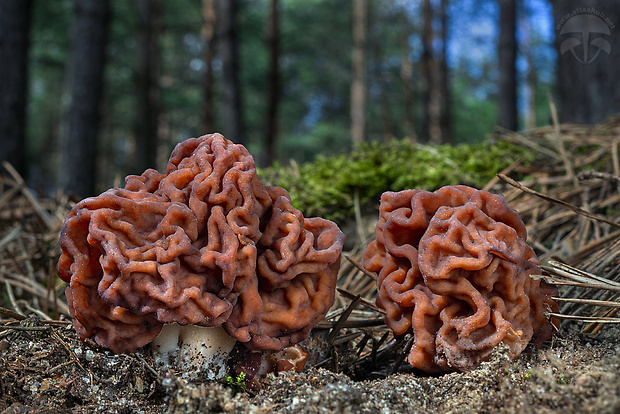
[
  {"x": 204, "y": 254},
  {"x": 454, "y": 269}
]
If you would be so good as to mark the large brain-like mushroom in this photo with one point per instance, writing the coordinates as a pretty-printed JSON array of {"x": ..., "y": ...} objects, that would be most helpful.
[
  {"x": 203, "y": 244},
  {"x": 454, "y": 270}
]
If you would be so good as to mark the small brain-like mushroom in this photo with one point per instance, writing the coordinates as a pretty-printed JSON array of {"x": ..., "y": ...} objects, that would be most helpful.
[
  {"x": 454, "y": 269},
  {"x": 203, "y": 254}
]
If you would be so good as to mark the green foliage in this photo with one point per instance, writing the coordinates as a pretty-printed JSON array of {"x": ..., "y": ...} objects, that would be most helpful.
[
  {"x": 315, "y": 80},
  {"x": 561, "y": 379},
  {"x": 473, "y": 114},
  {"x": 327, "y": 186},
  {"x": 326, "y": 137},
  {"x": 237, "y": 384}
]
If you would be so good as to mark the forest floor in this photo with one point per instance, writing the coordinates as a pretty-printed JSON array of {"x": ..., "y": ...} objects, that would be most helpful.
[{"x": 46, "y": 368}]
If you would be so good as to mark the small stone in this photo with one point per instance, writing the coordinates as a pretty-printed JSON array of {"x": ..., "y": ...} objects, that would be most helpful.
[
  {"x": 45, "y": 385},
  {"x": 139, "y": 385}
]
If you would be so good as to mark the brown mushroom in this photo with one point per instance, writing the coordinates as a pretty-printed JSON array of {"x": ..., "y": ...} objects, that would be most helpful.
[
  {"x": 204, "y": 245},
  {"x": 454, "y": 270}
]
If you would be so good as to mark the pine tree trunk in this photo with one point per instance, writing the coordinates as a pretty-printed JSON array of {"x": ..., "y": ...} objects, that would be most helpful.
[
  {"x": 15, "y": 17},
  {"x": 89, "y": 31},
  {"x": 147, "y": 77},
  {"x": 588, "y": 60},
  {"x": 232, "y": 122},
  {"x": 406, "y": 76},
  {"x": 274, "y": 85},
  {"x": 507, "y": 116},
  {"x": 209, "y": 34},
  {"x": 431, "y": 125},
  {"x": 444, "y": 79},
  {"x": 358, "y": 87}
]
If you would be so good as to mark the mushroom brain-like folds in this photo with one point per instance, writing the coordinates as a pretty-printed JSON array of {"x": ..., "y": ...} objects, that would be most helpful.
[
  {"x": 203, "y": 244},
  {"x": 454, "y": 269}
]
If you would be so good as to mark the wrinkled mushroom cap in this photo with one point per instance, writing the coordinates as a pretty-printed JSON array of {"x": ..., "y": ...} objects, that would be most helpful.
[
  {"x": 454, "y": 270},
  {"x": 206, "y": 244}
]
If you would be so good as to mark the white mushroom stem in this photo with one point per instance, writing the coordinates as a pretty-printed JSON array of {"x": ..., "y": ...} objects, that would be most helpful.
[{"x": 193, "y": 350}]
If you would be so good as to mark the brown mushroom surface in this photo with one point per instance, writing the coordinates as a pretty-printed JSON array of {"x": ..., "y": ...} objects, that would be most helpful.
[
  {"x": 203, "y": 244},
  {"x": 454, "y": 270}
]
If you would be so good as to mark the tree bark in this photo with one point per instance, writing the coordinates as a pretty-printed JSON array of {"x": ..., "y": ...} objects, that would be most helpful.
[
  {"x": 507, "y": 116},
  {"x": 445, "y": 120},
  {"x": 358, "y": 87},
  {"x": 209, "y": 34},
  {"x": 431, "y": 125},
  {"x": 436, "y": 125},
  {"x": 274, "y": 84},
  {"x": 147, "y": 79},
  {"x": 15, "y": 20},
  {"x": 588, "y": 47},
  {"x": 232, "y": 120},
  {"x": 406, "y": 76},
  {"x": 89, "y": 31}
]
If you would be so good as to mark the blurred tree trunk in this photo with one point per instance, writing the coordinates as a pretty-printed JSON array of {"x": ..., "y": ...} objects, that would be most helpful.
[
  {"x": 209, "y": 34},
  {"x": 358, "y": 87},
  {"x": 232, "y": 122},
  {"x": 274, "y": 84},
  {"x": 588, "y": 60},
  {"x": 89, "y": 31},
  {"x": 444, "y": 80},
  {"x": 436, "y": 125},
  {"x": 147, "y": 77},
  {"x": 15, "y": 20},
  {"x": 531, "y": 78},
  {"x": 431, "y": 129},
  {"x": 532, "y": 82},
  {"x": 507, "y": 116},
  {"x": 406, "y": 76}
]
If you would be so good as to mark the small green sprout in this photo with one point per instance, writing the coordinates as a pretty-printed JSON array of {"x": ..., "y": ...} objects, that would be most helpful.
[
  {"x": 561, "y": 379},
  {"x": 528, "y": 375},
  {"x": 237, "y": 384}
]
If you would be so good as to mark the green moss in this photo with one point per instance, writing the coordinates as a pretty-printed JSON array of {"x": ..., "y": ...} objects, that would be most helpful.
[{"x": 327, "y": 186}]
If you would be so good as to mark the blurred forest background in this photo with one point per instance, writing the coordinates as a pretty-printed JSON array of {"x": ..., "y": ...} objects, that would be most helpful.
[{"x": 93, "y": 90}]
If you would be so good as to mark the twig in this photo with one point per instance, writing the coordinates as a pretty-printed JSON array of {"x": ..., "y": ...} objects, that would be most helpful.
[
  {"x": 13, "y": 234},
  {"x": 37, "y": 312},
  {"x": 358, "y": 323},
  {"x": 555, "y": 200},
  {"x": 70, "y": 351},
  {"x": 505, "y": 171},
  {"x": 148, "y": 367},
  {"x": 585, "y": 318},
  {"x": 346, "y": 338},
  {"x": 25, "y": 328},
  {"x": 588, "y": 174},
  {"x": 578, "y": 275},
  {"x": 60, "y": 366},
  {"x": 362, "y": 301},
  {"x": 343, "y": 318},
  {"x": 560, "y": 143},
  {"x": 360, "y": 267},
  {"x": 44, "y": 215},
  {"x": 591, "y": 302},
  {"x": 358, "y": 217},
  {"x": 11, "y": 314},
  {"x": 9, "y": 291},
  {"x": 401, "y": 357}
]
